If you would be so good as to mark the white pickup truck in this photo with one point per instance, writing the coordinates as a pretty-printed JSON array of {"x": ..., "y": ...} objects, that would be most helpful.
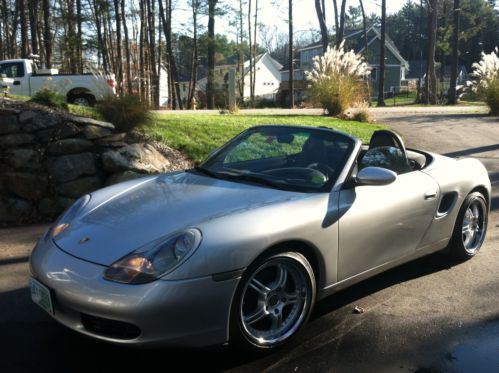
[{"x": 22, "y": 77}]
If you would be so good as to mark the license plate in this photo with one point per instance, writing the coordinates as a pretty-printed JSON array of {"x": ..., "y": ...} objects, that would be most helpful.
[{"x": 40, "y": 294}]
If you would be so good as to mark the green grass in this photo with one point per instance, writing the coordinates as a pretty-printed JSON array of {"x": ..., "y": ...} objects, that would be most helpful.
[
  {"x": 84, "y": 111},
  {"x": 198, "y": 134}
]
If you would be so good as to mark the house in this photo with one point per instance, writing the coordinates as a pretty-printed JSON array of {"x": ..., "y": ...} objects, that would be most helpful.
[
  {"x": 396, "y": 66},
  {"x": 268, "y": 77},
  {"x": 417, "y": 69}
]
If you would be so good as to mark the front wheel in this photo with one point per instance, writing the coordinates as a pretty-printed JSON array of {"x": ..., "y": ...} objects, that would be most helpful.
[
  {"x": 274, "y": 300},
  {"x": 470, "y": 228}
]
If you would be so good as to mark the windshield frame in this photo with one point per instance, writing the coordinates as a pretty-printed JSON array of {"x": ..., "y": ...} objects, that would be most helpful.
[{"x": 326, "y": 188}]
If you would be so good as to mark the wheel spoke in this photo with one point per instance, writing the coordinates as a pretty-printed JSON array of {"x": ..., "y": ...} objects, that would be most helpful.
[
  {"x": 282, "y": 277},
  {"x": 475, "y": 212},
  {"x": 293, "y": 298},
  {"x": 256, "y": 316},
  {"x": 468, "y": 236},
  {"x": 260, "y": 288},
  {"x": 276, "y": 320}
]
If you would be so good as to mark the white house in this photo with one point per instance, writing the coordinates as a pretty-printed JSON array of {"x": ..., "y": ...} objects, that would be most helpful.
[
  {"x": 268, "y": 77},
  {"x": 163, "y": 86},
  {"x": 268, "y": 80}
]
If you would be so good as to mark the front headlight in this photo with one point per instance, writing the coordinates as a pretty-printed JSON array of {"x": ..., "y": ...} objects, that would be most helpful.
[
  {"x": 67, "y": 217},
  {"x": 148, "y": 265}
]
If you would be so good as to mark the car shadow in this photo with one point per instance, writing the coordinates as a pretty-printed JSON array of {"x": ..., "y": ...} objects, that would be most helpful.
[
  {"x": 406, "y": 272},
  {"x": 28, "y": 332}
]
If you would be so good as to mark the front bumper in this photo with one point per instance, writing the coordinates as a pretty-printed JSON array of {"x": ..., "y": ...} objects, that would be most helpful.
[{"x": 186, "y": 313}]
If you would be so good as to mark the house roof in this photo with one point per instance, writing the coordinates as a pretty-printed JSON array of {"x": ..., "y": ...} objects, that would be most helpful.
[
  {"x": 355, "y": 41},
  {"x": 246, "y": 65}
]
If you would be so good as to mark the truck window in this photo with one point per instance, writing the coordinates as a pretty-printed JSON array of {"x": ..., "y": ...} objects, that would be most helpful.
[{"x": 12, "y": 70}]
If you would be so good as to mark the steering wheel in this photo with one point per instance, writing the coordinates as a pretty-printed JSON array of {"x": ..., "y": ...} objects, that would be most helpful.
[{"x": 322, "y": 167}]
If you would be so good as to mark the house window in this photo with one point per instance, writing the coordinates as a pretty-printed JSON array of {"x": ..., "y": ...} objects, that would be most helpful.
[{"x": 374, "y": 74}]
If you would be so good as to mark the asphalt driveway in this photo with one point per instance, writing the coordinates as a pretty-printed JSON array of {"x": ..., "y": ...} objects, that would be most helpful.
[{"x": 431, "y": 315}]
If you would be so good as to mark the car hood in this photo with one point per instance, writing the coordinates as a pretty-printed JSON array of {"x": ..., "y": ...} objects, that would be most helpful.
[{"x": 125, "y": 217}]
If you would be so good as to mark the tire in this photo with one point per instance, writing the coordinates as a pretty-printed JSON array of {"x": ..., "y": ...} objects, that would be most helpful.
[
  {"x": 82, "y": 99},
  {"x": 273, "y": 301},
  {"x": 470, "y": 228}
]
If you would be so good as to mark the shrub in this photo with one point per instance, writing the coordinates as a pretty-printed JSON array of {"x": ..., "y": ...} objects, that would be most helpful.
[
  {"x": 125, "y": 112},
  {"x": 337, "y": 80},
  {"x": 359, "y": 113},
  {"x": 47, "y": 97},
  {"x": 486, "y": 80}
]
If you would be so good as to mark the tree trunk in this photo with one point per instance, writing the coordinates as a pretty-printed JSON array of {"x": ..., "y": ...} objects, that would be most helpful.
[
  {"x": 210, "y": 85},
  {"x": 240, "y": 59},
  {"x": 154, "y": 78},
  {"x": 364, "y": 27},
  {"x": 127, "y": 48},
  {"x": 381, "y": 78},
  {"x": 33, "y": 25},
  {"x": 336, "y": 22},
  {"x": 321, "y": 16},
  {"x": 24, "y": 28},
  {"x": 341, "y": 31},
  {"x": 455, "y": 55},
  {"x": 254, "y": 53},
  {"x": 290, "y": 58},
  {"x": 194, "y": 62},
  {"x": 250, "y": 39},
  {"x": 174, "y": 90},
  {"x": 119, "y": 58},
  {"x": 47, "y": 37},
  {"x": 431, "y": 80},
  {"x": 79, "y": 41}
]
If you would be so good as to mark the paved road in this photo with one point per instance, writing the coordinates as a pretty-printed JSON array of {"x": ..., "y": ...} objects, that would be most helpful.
[
  {"x": 428, "y": 316},
  {"x": 314, "y": 111}
]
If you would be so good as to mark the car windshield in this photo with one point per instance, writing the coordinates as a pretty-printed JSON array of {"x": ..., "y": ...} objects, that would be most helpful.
[{"x": 290, "y": 158}]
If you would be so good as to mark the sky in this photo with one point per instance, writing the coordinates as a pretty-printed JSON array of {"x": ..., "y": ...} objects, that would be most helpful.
[{"x": 274, "y": 14}]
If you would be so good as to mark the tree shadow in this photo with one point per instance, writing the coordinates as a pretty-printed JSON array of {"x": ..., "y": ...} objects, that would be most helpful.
[{"x": 470, "y": 151}]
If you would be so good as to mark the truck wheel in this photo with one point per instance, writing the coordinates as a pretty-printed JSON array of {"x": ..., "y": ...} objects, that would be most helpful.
[{"x": 83, "y": 99}]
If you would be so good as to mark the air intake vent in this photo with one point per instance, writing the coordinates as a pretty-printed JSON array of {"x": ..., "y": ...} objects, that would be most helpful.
[
  {"x": 109, "y": 328},
  {"x": 447, "y": 203}
]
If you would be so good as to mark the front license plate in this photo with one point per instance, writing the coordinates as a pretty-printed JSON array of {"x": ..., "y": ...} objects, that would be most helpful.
[{"x": 40, "y": 294}]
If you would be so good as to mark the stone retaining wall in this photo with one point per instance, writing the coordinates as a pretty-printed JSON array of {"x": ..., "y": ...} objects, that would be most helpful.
[{"x": 48, "y": 159}]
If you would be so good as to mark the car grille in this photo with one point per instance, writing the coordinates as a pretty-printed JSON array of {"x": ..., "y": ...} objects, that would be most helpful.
[{"x": 109, "y": 328}]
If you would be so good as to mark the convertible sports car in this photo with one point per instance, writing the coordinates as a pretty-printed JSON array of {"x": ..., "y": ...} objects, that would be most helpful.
[{"x": 240, "y": 248}]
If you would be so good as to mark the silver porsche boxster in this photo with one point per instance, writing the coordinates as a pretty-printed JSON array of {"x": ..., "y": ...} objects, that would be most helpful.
[{"x": 238, "y": 249}]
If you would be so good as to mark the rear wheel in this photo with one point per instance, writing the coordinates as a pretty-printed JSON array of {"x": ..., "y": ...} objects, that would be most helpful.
[
  {"x": 82, "y": 99},
  {"x": 274, "y": 300},
  {"x": 470, "y": 228}
]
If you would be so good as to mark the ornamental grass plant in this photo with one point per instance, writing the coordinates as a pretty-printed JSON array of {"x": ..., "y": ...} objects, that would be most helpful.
[{"x": 338, "y": 80}]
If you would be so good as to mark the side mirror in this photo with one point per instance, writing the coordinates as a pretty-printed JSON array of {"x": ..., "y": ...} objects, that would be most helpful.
[{"x": 375, "y": 176}]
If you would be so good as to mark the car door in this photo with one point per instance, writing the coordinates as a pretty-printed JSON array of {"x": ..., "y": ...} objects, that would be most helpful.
[
  {"x": 379, "y": 224},
  {"x": 15, "y": 72}
]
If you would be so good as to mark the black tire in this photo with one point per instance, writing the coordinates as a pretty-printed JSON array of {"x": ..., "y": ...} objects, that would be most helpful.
[
  {"x": 290, "y": 300},
  {"x": 465, "y": 243},
  {"x": 83, "y": 99}
]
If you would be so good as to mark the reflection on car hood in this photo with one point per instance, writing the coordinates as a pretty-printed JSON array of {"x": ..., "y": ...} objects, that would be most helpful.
[{"x": 137, "y": 213}]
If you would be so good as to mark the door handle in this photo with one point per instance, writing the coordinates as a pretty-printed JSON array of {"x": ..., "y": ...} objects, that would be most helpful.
[
  {"x": 430, "y": 195},
  {"x": 17, "y": 82}
]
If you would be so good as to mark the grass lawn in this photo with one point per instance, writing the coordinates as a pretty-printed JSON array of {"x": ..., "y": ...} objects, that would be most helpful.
[{"x": 197, "y": 134}]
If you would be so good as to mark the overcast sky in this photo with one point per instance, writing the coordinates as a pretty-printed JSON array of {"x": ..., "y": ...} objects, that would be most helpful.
[{"x": 274, "y": 14}]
